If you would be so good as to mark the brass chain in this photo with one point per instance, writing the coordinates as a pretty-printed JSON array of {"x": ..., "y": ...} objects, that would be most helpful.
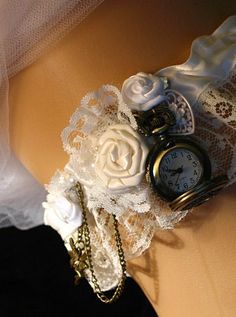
[{"x": 82, "y": 254}]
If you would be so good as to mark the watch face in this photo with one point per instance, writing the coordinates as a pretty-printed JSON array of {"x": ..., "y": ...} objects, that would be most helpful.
[{"x": 180, "y": 170}]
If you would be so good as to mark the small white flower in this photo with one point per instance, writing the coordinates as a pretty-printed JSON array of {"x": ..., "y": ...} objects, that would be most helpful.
[
  {"x": 121, "y": 157},
  {"x": 143, "y": 91},
  {"x": 62, "y": 214}
]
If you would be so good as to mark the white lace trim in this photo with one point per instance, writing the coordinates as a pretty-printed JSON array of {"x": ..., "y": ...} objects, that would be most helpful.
[{"x": 215, "y": 114}]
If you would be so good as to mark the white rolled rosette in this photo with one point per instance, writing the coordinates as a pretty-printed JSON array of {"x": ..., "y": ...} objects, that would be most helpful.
[
  {"x": 62, "y": 214},
  {"x": 143, "y": 91},
  {"x": 121, "y": 157}
]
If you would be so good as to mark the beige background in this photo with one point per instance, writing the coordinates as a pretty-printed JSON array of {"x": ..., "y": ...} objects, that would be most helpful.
[{"x": 190, "y": 271}]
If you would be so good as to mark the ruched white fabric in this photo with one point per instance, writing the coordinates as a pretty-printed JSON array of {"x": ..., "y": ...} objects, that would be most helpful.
[{"x": 212, "y": 58}]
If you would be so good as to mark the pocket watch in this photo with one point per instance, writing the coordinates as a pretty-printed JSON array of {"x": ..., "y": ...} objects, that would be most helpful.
[
  {"x": 176, "y": 165},
  {"x": 178, "y": 168}
]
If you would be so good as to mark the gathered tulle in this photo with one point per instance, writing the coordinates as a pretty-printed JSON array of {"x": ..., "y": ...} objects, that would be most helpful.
[{"x": 27, "y": 29}]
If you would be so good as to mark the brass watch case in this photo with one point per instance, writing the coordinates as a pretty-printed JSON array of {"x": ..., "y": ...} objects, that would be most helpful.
[
  {"x": 199, "y": 194},
  {"x": 159, "y": 152}
]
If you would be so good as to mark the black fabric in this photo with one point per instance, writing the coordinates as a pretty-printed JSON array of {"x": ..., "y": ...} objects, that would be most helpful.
[{"x": 36, "y": 280}]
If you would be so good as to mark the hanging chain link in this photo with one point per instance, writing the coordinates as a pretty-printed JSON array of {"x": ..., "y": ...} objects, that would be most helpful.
[{"x": 81, "y": 258}]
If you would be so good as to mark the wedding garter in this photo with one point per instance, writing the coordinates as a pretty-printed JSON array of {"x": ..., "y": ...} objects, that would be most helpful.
[{"x": 101, "y": 203}]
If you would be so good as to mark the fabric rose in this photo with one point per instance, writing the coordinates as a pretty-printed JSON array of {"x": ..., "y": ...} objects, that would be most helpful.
[
  {"x": 62, "y": 214},
  {"x": 143, "y": 91},
  {"x": 120, "y": 162}
]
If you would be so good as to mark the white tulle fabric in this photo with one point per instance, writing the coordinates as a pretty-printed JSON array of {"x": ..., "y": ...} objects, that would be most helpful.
[
  {"x": 208, "y": 81},
  {"x": 27, "y": 29}
]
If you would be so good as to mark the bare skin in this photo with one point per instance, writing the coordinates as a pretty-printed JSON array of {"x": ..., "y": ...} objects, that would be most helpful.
[{"x": 189, "y": 271}]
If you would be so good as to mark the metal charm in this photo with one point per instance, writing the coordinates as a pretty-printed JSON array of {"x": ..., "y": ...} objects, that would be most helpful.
[
  {"x": 178, "y": 104},
  {"x": 155, "y": 120}
]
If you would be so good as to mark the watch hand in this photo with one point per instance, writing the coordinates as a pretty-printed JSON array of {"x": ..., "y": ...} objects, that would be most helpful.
[
  {"x": 176, "y": 182},
  {"x": 173, "y": 170},
  {"x": 178, "y": 170}
]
